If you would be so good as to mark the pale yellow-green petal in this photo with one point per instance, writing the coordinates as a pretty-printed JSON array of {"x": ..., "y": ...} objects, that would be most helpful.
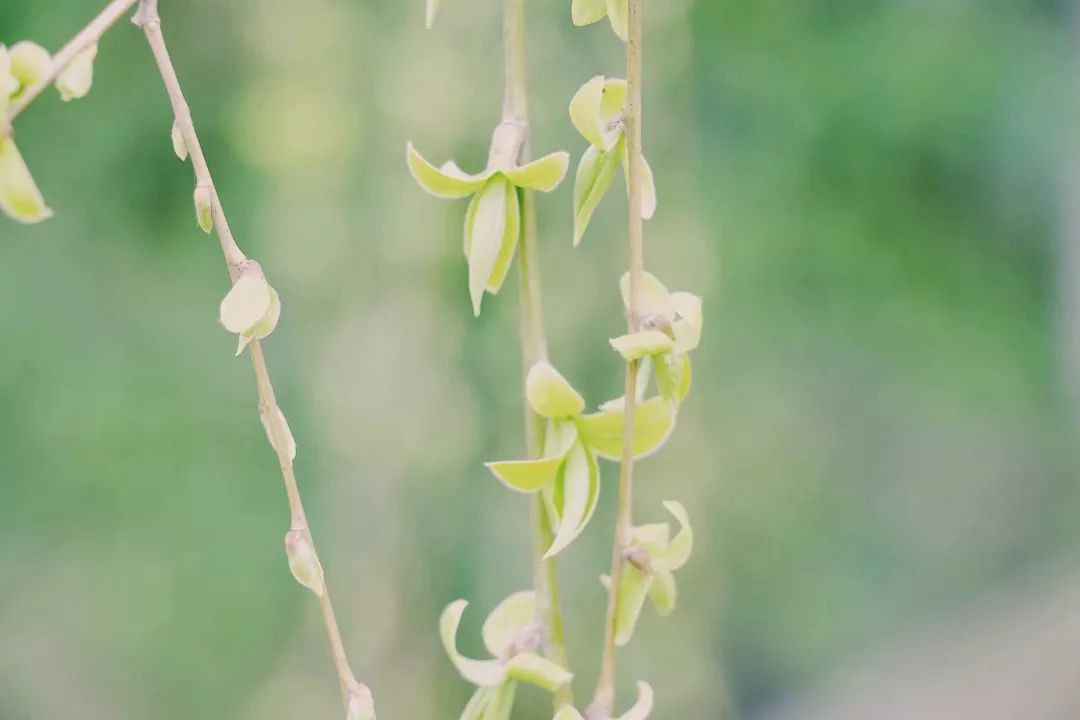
[
  {"x": 568, "y": 712},
  {"x": 678, "y": 552},
  {"x": 508, "y": 620},
  {"x": 653, "y": 422},
  {"x": 576, "y": 488},
  {"x": 477, "y": 705},
  {"x": 536, "y": 670},
  {"x": 30, "y": 64},
  {"x": 511, "y": 236},
  {"x": 654, "y": 300},
  {"x": 663, "y": 594},
  {"x": 246, "y": 304},
  {"x": 619, "y": 14},
  {"x": 550, "y": 395},
  {"x": 644, "y": 705},
  {"x": 544, "y": 174},
  {"x": 487, "y": 229},
  {"x": 642, "y": 344},
  {"x": 586, "y": 12},
  {"x": 688, "y": 327},
  {"x": 441, "y": 183},
  {"x": 502, "y": 701},
  {"x": 20, "y": 198},
  {"x": 632, "y": 593},
  {"x": 595, "y": 173},
  {"x": 529, "y": 476},
  {"x": 483, "y": 673},
  {"x": 586, "y": 107},
  {"x": 75, "y": 79}
]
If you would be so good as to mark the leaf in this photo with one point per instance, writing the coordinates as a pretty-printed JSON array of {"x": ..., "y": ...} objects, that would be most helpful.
[
  {"x": 303, "y": 562},
  {"x": 586, "y": 107},
  {"x": 20, "y": 198},
  {"x": 30, "y": 64},
  {"x": 247, "y": 302},
  {"x": 482, "y": 673},
  {"x": 653, "y": 298},
  {"x": 508, "y": 620},
  {"x": 448, "y": 182},
  {"x": 430, "y": 12},
  {"x": 663, "y": 592},
  {"x": 644, "y": 705},
  {"x": 579, "y": 492},
  {"x": 653, "y": 422},
  {"x": 594, "y": 176},
  {"x": 486, "y": 232},
  {"x": 619, "y": 14},
  {"x": 550, "y": 395},
  {"x": 648, "y": 186},
  {"x": 289, "y": 448},
  {"x": 529, "y": 476},
  {"x": 586, "y": 12},
  {"x": 678, "y": 552},
  {"x": 536, "y": 670},
  {"x": 642, "y": 344},
  {"x": 511, "y": 236},
  {"x": 75, "y": 79},
  {"x": 544, "y": 174}
]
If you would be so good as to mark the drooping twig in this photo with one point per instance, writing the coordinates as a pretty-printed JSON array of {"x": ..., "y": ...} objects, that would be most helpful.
[
  {"x": 147, "y": 18},
  {"x": 604, "y": 698}
]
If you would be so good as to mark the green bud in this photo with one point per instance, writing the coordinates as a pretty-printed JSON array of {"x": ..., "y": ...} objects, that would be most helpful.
[
  {"x": 648, "y": 185},
  {"x": 74, "y": 80},
  {"x": 20, "y": 198},
  {"x": 303, "y": 562},
  {"x": 204, "y": 208},
  {"x": 550, "y": 395},
  {"x": 178, "y": 144},
  {"x": 281, "y": 426},
  {"x": 449, "y": 181}
]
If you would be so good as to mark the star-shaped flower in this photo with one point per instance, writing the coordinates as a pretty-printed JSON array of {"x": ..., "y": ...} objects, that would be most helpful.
[
  {"x": 597, "y": 111},
  {"x": 493, "y": 218},
  {"x": 511, "y": 635}
]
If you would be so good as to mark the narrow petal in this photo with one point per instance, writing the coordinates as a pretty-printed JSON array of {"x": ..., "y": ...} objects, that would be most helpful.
[
  {"x": 550, "y": 395},
  {"x": 502, "y": 701},
  {"x": 439, "y": 182},
  {"x": 644, "y": 705},
  {"x": 576, "y": 479},
  {"x": 483, "y": 673},
  {"x": 539, "y": 671},
  {"x": 678, "y": 552},
  {"x": 529, "y": 476},
  {"x": 544, "y": 174},
  {"x": 486, "y": 232},
  {"x": 508, "y": 620},
  {"x": 653, "y": 422},
  {"x": 663, "y": 593},
  {"x": 642, "y": 344},
  {"x": 511, "y": 236},
  {"x": 20, "y": 198},
  {"x": 477, "y": 705},
  {"x": 586, "y": 108},
  {"x": 595, "y": 173},
  {"x": 648, "y": 186},
  {"x": 632, "y": 593}
]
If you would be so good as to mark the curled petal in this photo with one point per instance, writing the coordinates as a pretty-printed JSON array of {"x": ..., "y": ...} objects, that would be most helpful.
[
  {"x": 644, "y": 705},
  {"x": 482, "y": 673},
  {"x": 586, "y": 107},
  {"x": 653, "y": 298},
  {"x": 20, "y": 198},
  {"x": 508, "y": 620},
  {"x": 580, "y": 489},
  {"x": 586, "y": 12},
  {"x": 678, "y": 552},
  {"x": 550, "y": 395},
  {"x": 30, "y": 64},
  {"x": 544, "y": 174},
  {"x": 440, "y": 182},
  {"x": 529, "y": 476},
  {"x": 539, "y": 671}
]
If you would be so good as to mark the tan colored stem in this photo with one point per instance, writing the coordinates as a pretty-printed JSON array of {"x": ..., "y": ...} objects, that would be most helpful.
[
  {"x": 148, "y": 19},
  {"x": 604, "y": 699},
  {"x": 533, "y": 340},
  {"x": 86, "y": 37}
]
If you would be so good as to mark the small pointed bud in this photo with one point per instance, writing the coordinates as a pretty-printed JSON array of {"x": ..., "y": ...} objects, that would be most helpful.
[
  {"x": 178, "y": 144},
  {"x": 204, "y": 208},
  {"x": 361, "y": 703},
  {"x": 282, "y": 427},
  {"x": 75, "y": 79},
  {"x": 303, "y": 562}
]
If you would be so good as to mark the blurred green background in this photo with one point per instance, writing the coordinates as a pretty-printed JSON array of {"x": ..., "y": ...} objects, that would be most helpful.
[{"x": 877, "y": 199}]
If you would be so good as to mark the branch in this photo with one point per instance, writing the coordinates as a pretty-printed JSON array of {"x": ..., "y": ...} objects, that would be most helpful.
[
  {"x": 88, "y": 36},
  {"x": 513, "y": 133},
  {"x": 354, "y": 695},
  {"x": 604, "y": 699}
]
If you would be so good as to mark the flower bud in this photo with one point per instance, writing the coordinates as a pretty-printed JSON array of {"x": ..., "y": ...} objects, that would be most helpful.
[
  {"x": 75, "y": 79},
  {"x": 303, "y": 562},
  {"x": 204, "y": 207},
  {"x": 178, "y": 144}
]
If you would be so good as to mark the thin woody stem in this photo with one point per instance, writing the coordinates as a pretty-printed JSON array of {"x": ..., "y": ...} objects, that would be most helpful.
[
  {"x": 604, "y": 699},
  {"x": 533, "y": 340},
  {"x": 86, "y": 37},
  {"x": 147, "y": 18}
]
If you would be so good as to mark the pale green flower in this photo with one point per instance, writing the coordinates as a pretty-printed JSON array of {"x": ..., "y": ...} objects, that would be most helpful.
[{"x": 251, "y": 309}]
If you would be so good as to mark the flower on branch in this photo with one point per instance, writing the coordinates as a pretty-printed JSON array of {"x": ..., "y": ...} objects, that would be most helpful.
[
  {"x": 252, "y": 307},
  {"x": 511, "y": 635},
  {"x": 493, "y": 218},
  {"x": 597, "y": 111}
]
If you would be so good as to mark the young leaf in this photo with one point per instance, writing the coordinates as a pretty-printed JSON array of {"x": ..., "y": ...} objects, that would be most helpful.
[
  {"x": 544, "y": 174},
  {"x": 482, "y": 673},
  {"x": 448, "y": 182},
  {"x": 642, "y": 344},
  {"x": 594, "y": 175},
  {"x": 77, "y": 76},
  {"x": 550, "y": 395},
  {"x": 508, "y": 620},
  {"x": 303, "y": 562},
  {"x": 539, "y": 671},
  {"x": 487, "y": 230},
  {"x": 653, "y": 422},
  {"x": 20, "y": 198},
  {"x": 529, "y": 476}
]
